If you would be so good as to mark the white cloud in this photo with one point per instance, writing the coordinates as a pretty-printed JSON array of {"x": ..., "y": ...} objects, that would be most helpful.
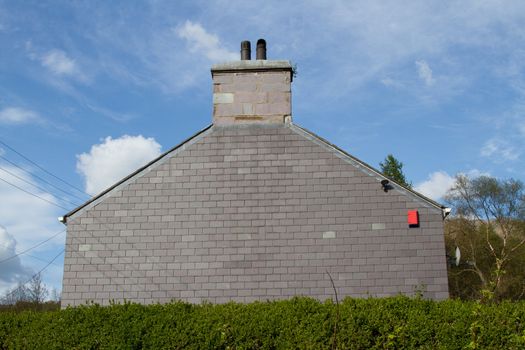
[
  {"x": 16, "y": 115},
  {"x": 116, "y": 116},
  {"x": 425, "y": 73},
  {"x": 61, "y": 71},
  {"x": 499, "y": 150},
  {"x": 379, "y": 38},
  {"x": 59, "y": 63},
  {"x": 166, "y": 57},
  {"x": 476, "y": 173},
  {"x": 31, "y": 221},
  {"x": 387, "y": 82},
  {"x": 392, "y": 83},
  {"x": 11, "y": 270},
  {"x": 113, "y": 159},
  {"x": 202, "y": 42},
  {"x": 26, "y": 216},
  {"x": 436, "y": 186}
]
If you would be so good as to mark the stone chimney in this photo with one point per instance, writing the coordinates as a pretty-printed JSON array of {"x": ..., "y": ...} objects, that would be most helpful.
[{"x": 252, "y": 92}]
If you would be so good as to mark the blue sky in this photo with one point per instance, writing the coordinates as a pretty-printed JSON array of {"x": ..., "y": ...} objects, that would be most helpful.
[{"x": 92, "y": 90}]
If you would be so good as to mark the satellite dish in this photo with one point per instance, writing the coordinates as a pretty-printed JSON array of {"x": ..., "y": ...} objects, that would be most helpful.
[{"x": 458, "y": 256}]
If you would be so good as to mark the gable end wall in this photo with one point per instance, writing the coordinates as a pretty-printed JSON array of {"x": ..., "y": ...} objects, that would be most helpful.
[{"x": 252, "y": 213}]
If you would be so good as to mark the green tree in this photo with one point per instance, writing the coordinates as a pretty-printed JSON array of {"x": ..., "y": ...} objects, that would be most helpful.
[
  {"x": 393, "y": 169},
  {"x": 489, "y": 228}
]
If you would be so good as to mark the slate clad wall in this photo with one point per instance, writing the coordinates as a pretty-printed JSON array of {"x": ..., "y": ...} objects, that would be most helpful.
[{"x": 252, "y": 214}]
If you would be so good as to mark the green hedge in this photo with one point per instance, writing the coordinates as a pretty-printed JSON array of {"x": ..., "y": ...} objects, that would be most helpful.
[{"x": 299, "y": 323}]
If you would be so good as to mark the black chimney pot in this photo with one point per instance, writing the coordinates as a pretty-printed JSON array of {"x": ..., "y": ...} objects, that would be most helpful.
[
  {"x": 261, "y": 49},
  {"x": 246, "y": 51}
]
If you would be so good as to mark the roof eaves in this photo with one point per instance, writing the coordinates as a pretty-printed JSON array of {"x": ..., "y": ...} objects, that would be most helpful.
[
  {"x": 133, "y": 174},
  {"x": 366, "y": 166}
]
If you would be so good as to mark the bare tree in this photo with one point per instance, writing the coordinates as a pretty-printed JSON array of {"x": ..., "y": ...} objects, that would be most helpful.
[
  {"x": 55, "y": 295},
  {"x": 37, "y": 291},
  {"x": 491, "y": 211},
  {"x": 18, "y": 293}
]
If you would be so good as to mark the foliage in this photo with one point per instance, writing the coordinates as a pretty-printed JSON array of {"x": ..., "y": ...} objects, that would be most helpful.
[
  {"x": 489, "y": 228},
  {"x": 28, "y": 305},
  {"x": 393, "y": 169},
  {"x": 298, "y": 323}
]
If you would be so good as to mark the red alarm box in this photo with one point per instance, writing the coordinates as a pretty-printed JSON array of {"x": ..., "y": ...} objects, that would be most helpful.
[{"x": 413, "y": 218}]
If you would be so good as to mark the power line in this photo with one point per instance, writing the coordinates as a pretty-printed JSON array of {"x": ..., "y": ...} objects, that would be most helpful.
[
  {"x": 34, "y": 195},
  {"x": 44, "y": 260},
  {"x": 41, "y": 168},
  {"x": 33, "y": 247},
  {"x": 36, "y": 274},
  {"x": 41, "y": 179},
  {"x": 36, "y": 186}
]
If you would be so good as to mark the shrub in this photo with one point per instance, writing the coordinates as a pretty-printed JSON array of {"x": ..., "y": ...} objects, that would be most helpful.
[{"x": 298, "y": 323}]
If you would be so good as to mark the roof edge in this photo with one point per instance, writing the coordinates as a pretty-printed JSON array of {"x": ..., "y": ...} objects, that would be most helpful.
[
  {"x": 369, "y": 167},
  {"x": 63, "y": 219},
  {"x": 294, "y": 127}
]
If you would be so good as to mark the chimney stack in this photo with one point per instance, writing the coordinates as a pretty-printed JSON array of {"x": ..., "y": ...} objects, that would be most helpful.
[{"x": 252, "y": 92}]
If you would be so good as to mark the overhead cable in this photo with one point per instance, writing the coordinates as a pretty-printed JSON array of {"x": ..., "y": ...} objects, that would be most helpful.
[
  {"x": 36, "y": 274},
  {"x": 34, "y": 195},
  {"x": 33, "y": 247},
  {"x": 41, "y": 168},
  {"x": 41, "y": 179},
  {"x": 36, "y": 186}
]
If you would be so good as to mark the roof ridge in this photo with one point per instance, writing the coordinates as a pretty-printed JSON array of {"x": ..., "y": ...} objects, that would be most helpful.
[{"x": 295, "y": 128}]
